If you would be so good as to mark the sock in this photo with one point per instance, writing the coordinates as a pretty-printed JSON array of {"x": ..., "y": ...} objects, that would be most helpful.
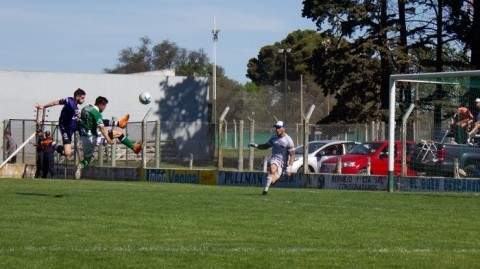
[
  {"x": 108, "y": 123},
  {"x": 58, "y": 148},
  {"x": 84, "y": 163},
  {"x": 126, "y": 141},
  {"x": 269, "y": 181}
]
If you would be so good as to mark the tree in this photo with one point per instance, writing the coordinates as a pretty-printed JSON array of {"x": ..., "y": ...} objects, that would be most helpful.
[
  {"x": 367, "y": 22},
  {"x": 464, "y": 23},
  {"x": 268, "y": 67},
  {"x": 166, "y": 55},
  {"x": 134, "y": 61}
]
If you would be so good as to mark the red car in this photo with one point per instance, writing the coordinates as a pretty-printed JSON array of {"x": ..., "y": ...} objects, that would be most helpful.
[{"x": 355, "y": 162}]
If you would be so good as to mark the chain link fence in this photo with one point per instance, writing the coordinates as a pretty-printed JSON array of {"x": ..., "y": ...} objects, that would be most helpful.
[{"x": 198, "y": 150}]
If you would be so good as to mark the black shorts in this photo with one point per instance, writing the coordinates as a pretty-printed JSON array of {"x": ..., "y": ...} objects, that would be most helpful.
[{"x": 67, "y": 134}]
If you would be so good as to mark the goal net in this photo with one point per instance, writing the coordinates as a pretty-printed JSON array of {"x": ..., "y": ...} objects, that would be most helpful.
[{"x": 444, "y": 109}]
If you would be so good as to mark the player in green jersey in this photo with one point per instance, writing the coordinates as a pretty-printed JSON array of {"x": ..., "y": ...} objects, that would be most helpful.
[{"x": 93, "y": 133}]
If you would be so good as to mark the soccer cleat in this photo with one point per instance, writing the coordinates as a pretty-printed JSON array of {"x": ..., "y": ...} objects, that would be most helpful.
[
  {"x": 123, "y": 122},
  {"x": 46, "y": 142},
  {"x": 78, "y": 173},
  {"x": 137, "y": 148},
  {"x": 264, "y": 192}
]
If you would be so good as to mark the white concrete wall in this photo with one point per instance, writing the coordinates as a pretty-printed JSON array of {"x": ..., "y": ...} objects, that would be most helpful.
[
  {"x": 175, "y": 100},
  {"x": 21, "y": 90}
]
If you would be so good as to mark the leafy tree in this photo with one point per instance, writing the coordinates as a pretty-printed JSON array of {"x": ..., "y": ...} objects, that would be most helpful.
[
  {"x": 268, "y": 67},
  {"x": 366, "y": 22},
  {"x": 134, "y": 60},
  {"x": 166, "y": 55},
  {"x": 463, "y": 23}
]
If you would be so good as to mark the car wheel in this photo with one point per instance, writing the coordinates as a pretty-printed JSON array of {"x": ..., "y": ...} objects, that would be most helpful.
[
  {"x": 471, "y": 171},
  {"x": 310, "y": 170},
  {"x": 362, "y": 172}
]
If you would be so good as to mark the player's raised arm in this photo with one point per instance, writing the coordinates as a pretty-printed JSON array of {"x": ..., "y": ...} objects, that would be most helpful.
[{"x": 52, "y": 103}]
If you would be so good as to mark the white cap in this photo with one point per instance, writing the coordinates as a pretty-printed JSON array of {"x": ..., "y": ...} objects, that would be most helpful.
[
  {"x": 477, "y": 100},
  {"x": 279, "y": 124}
]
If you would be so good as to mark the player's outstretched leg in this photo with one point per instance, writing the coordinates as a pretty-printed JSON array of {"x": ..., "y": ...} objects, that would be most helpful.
[{"x": 126, "y": 141}]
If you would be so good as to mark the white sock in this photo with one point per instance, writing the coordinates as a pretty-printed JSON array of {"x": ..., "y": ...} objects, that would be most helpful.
[{"x": 269, "y": 181}]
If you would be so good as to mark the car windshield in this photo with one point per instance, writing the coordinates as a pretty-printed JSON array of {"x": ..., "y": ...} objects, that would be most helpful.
[
  {"x": 312, "y": 147},
  {"x": 366, "y": 148}
]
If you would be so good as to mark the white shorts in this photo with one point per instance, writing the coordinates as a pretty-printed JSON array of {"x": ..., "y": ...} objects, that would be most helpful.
[
  {"x": 278, "y": 163},
  {"x": 89, "y": 143}
]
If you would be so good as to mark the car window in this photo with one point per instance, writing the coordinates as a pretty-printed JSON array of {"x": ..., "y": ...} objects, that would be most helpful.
[
  {"x": 367, "y": 148},
  {"x": 349, "y": 146},
  {"x": 331, "y": 150},
  {"x": 312, "y": 147},
  {"x": 385, "y": 150}
]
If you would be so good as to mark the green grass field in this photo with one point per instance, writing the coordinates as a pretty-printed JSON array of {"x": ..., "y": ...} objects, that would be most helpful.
[{"x": 96, "y": 224}]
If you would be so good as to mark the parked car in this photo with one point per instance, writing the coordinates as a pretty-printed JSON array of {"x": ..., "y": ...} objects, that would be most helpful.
[
  {"x": 318, "y": 151},
  {"x": 355, "y": 162}
]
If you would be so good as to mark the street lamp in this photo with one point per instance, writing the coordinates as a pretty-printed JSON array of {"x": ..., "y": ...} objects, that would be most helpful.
[{"x": 285, "y": 51}]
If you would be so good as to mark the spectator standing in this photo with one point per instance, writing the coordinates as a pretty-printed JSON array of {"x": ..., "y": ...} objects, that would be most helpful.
[
  {"x": 10, "y": 147},
  {"x": 48, "y": 158}
]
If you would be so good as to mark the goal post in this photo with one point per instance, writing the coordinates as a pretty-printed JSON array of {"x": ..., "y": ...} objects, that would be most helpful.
[{"x": 459, "y": 79}]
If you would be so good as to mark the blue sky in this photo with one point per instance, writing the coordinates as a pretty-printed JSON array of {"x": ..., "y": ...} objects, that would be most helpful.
[{"x": 86, "y": 36}]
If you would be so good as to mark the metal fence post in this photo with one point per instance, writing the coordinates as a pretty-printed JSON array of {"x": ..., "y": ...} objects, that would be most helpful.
[
  {"x": 220, "y": 135},
  {"x": 144, "y": 140},
  {"x": 456, "y": 172},
  {"x": 234, "y": 140},
  {"x": 306, "y": 120},
  {"x": 23, "y": 139},
  {"x": 372, "y": 130},
  {"x": 339, "y": 165},
  {"x": 5, "y": 126},
  {"x": 369, "y": 166},
  {"x": 114, "y": 147},
  {"x": 251, "y": 150},
  {"x": 240, "y": 146},
  {"x": 382, "y": 130},
  {"x": 158, "y": 144},
  {"x": 100, "y": 155}
]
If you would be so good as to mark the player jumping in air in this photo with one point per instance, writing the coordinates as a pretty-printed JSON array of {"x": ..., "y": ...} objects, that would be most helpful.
[
  {"x": 282, "y": 152},
  {"x": 68, "y": 120},
  {"x": 93, "y": 133}
]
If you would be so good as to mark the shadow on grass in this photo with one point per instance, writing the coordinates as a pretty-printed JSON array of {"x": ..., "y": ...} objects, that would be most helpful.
[{"x": 41, "y": 194}]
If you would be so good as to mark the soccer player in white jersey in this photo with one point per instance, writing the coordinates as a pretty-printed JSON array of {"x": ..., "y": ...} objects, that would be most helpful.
[{"x": 283, "y": 152}]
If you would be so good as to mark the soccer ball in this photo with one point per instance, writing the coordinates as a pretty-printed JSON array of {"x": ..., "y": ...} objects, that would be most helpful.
[{"x": 145, "y": 98}]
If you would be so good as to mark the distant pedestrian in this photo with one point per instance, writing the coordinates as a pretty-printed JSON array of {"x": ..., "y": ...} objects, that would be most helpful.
[
  {"x": 48, "y": 158},
  {"x": 283, "y": 152},
  {"x": 11, "y": 146}
]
